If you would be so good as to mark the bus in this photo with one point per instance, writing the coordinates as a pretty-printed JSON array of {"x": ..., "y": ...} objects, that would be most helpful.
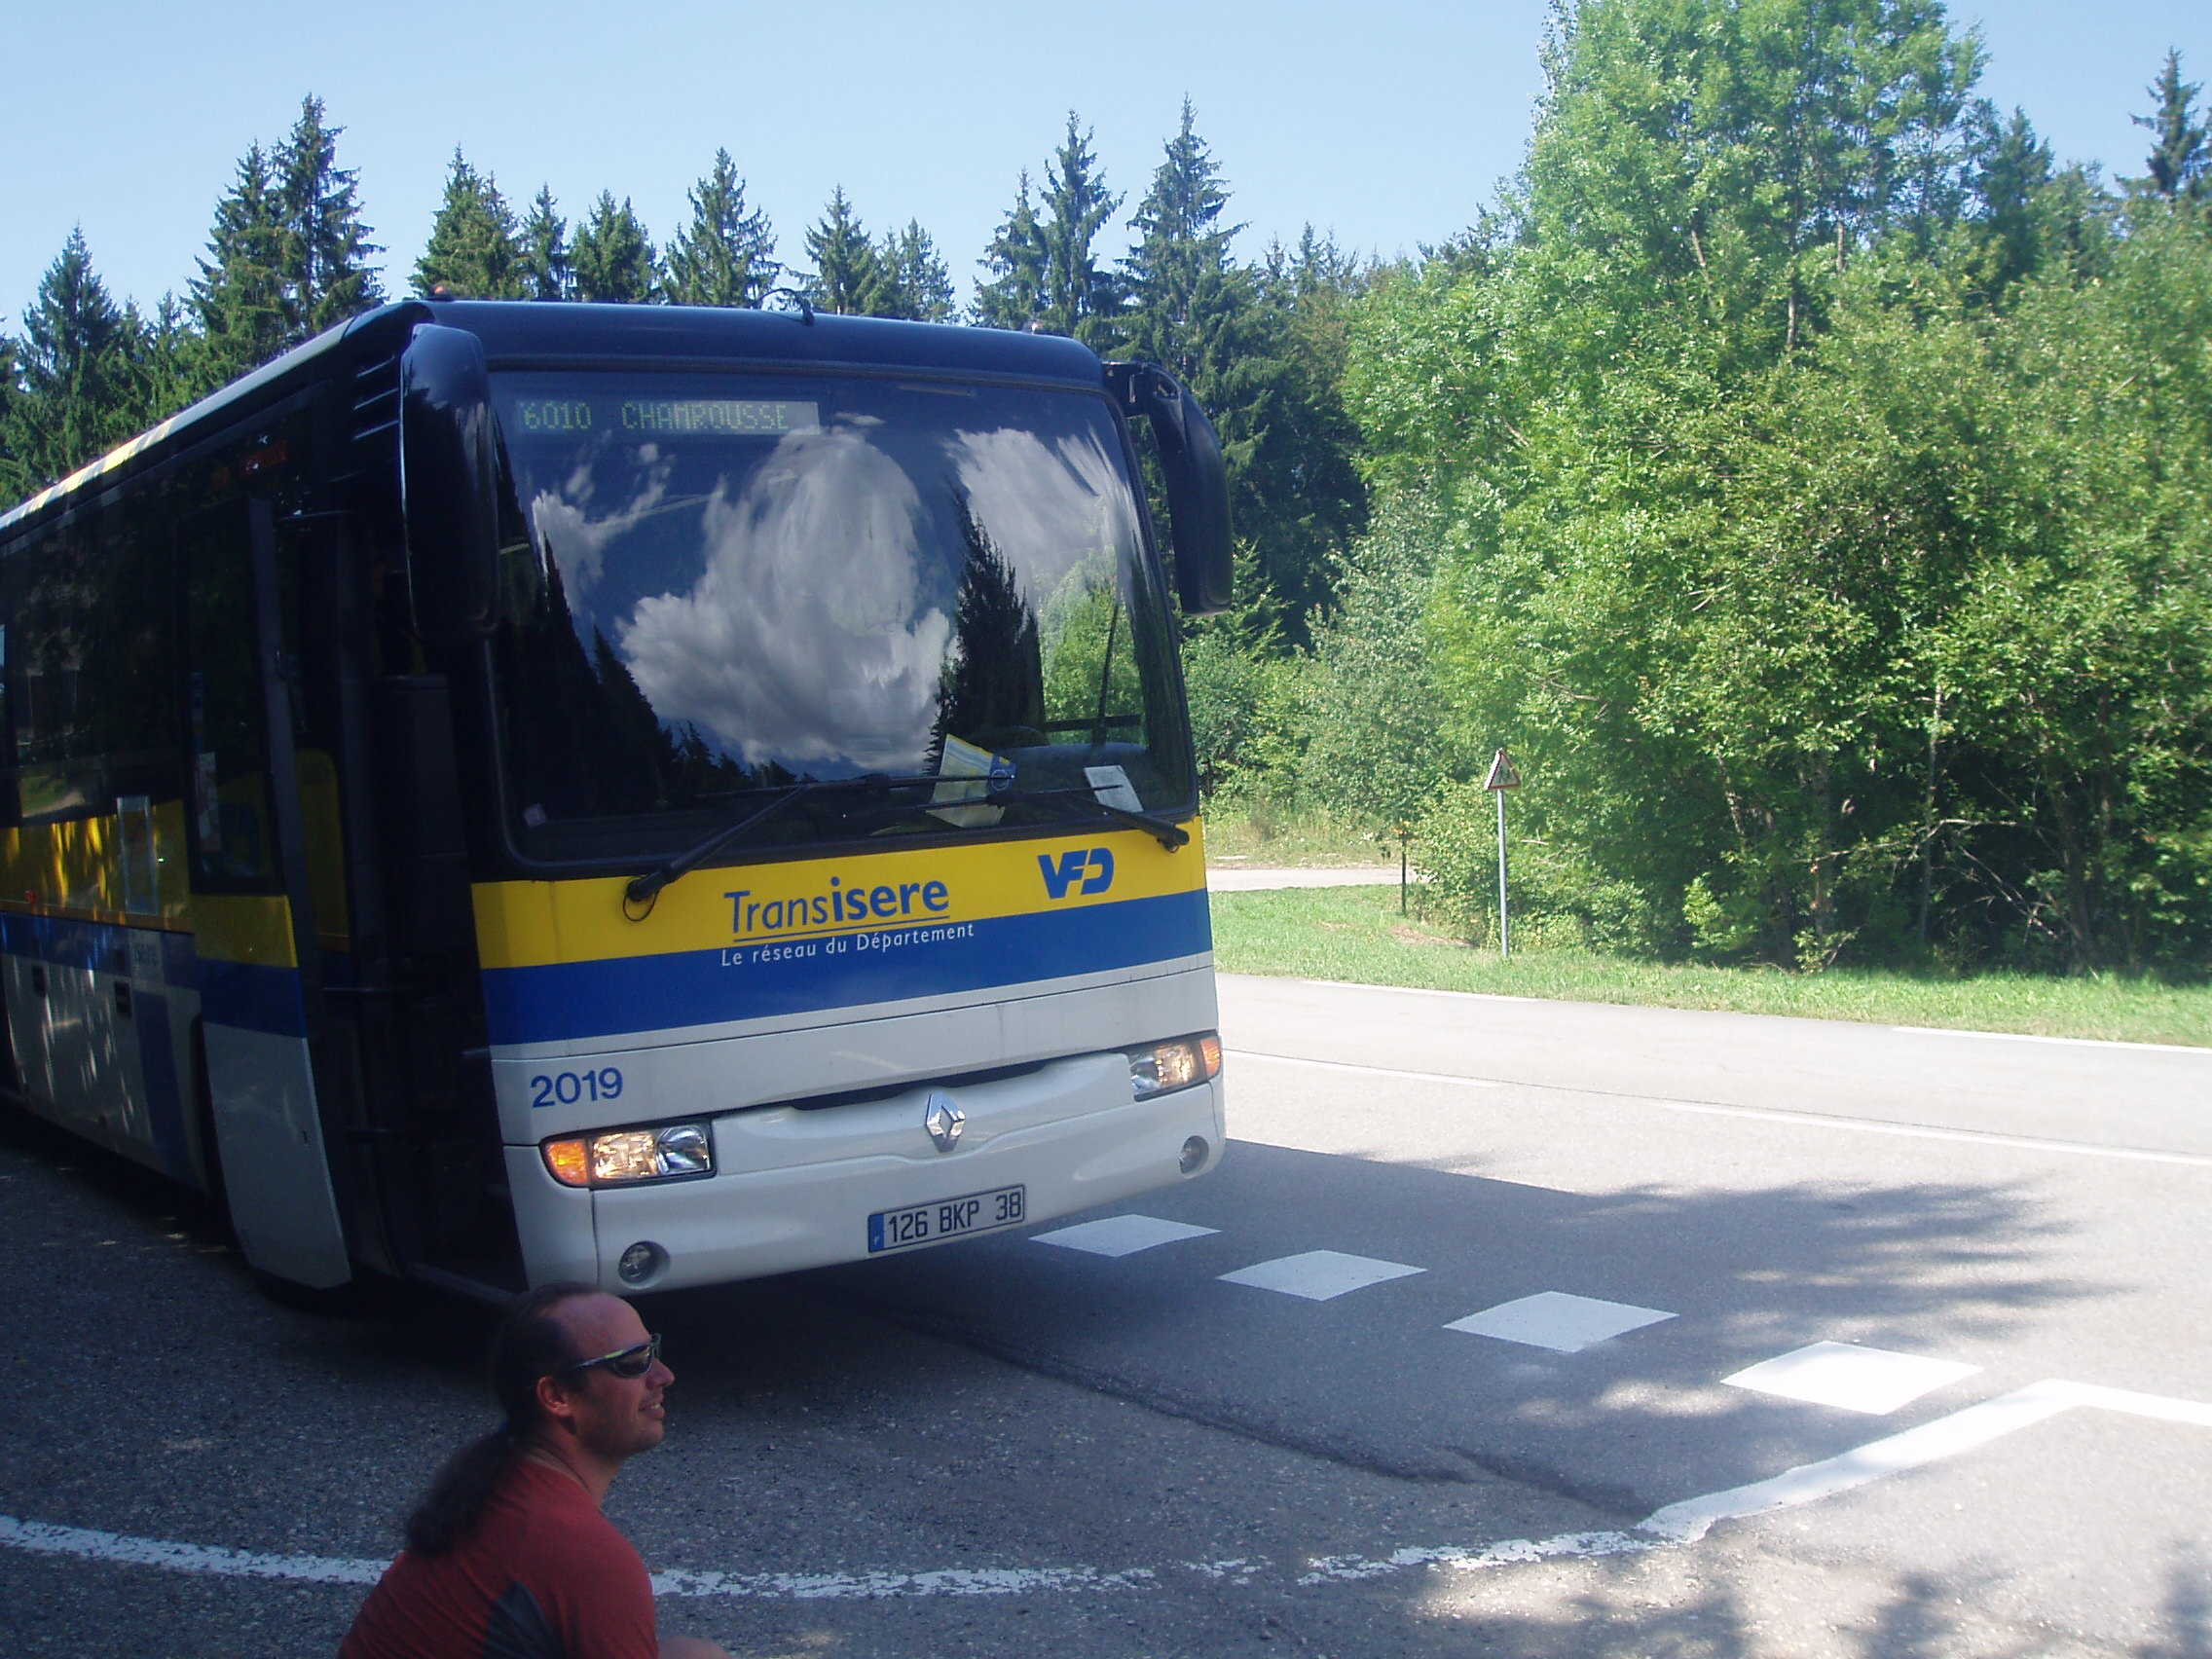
[{"x": 517, "y": 791}]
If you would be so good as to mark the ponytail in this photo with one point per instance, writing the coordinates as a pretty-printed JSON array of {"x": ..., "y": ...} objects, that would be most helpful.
[{"x": 529, "y": 1344}]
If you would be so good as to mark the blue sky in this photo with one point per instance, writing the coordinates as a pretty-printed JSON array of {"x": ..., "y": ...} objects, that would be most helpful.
[{"x": 1388, "y": 122}]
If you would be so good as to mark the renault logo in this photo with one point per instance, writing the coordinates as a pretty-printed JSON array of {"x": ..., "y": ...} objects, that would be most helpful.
[{"x": 943, "y": 1120}]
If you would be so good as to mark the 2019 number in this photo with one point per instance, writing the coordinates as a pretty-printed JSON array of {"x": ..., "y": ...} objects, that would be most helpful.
[{"x": 567, "y": 1088}]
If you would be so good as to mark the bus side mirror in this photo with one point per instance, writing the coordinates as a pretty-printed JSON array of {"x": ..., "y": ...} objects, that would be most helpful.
[
  {"x": 448, "y": 476},
  {"x": 1198, "y": 482}
]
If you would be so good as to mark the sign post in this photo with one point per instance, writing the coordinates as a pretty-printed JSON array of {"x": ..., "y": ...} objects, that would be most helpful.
[{"x": 1503, "y": 776}]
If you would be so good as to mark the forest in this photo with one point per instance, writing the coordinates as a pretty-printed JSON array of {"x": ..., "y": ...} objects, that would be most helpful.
[{"x": 1803, "y": 471}]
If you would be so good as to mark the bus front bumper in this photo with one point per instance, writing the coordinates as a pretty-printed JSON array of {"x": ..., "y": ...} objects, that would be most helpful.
[{"x": 796, "y": 1188}]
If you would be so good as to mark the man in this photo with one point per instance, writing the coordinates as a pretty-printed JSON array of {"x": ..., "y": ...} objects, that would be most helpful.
[{"x": 507, "y": 1555}]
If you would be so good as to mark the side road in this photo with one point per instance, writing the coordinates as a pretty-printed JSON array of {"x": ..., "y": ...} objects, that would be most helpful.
[{"x": 1230, "y": 876}]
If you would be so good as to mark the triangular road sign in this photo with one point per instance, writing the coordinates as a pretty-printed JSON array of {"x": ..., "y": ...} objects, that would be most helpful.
[{"x": 1503, "y": 775}]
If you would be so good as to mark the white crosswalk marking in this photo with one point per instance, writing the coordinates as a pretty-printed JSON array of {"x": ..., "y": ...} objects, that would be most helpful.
[
  {"x": 1122, "y": 1235},
  {"x": 1556, "y": 1320},
  {"x": 1318, "y": 1275},
  {"x": 1873, "y": 1380}
]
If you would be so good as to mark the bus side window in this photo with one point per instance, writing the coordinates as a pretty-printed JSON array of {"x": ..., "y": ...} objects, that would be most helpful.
[
  {"x": 55, "y": 777},
  {"x": 227, "y": 814}
]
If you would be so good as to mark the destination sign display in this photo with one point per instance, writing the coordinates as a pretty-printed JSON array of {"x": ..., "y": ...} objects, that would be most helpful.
[{"x": 673, "y": 417}]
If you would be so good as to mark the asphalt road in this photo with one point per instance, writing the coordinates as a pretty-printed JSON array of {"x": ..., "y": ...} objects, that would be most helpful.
[{"x": 1507, "y": 1327}]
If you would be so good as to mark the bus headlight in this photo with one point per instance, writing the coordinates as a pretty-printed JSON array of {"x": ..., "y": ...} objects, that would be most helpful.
[
  {"x": 616, "y": 1158},
  {"x": 1160, "y": 1067}
]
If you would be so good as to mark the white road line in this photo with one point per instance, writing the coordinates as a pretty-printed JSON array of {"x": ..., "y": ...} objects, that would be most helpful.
[
  {"x": 1687, "y": 1522},
  {"x": 1946, "y": 1437},
  {"x": 1916, "y": 1132},
  {"x": 1507, "y": 1552},
  {"x": 881, "y": 1586},
  {"x": 2037, "y": 1037},
  {"x": 1682, "y": 1523},
  {"x": 1373, "y": 1071},
  {"x": 87, "y": 1544},
  {"x": 1766, "y": 1115}
]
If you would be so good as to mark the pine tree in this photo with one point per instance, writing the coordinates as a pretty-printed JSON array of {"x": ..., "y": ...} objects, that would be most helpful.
[
  {"x": 1079, "y": 298},
  {"x": 2180, "y": 163},
  {"x": 1234, "y": 338},
  {"x": 238, "y": 299},
  {"x": 726, "y": 257},
  {"x": 324, "y": 263},
  {"x": 167, "y": 361},
  {"x": 1015, "y": 295},
  {"x": 613, "y": 257},
  {"x": 545, "y": 270},
  {"x": 473, "y": 253},
  {"x": 848, "y": 273},
  {"x": 15, "y": 479},
  {"x": 921, "y": 288},
  {"x": 79, "y": 395},
  {"x": 1182, "y": 249},
  {"x": 2015, "y": 171}
]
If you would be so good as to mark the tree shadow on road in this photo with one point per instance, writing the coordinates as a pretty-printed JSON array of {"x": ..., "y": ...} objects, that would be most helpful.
[{"x": 1007, "y": 1406}]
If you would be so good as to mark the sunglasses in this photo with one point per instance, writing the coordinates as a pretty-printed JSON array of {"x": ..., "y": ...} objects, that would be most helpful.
[{"x": 629, "y": 1362}]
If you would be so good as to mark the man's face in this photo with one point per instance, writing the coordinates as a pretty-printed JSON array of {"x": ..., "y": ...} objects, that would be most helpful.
[{"x": 616, "y": 1416}]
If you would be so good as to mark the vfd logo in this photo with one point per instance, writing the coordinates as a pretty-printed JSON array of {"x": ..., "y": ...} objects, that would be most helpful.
[{"x": 1092, "y": 867}]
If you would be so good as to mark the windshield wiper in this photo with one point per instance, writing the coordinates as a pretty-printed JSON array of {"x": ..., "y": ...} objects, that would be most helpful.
[
  {"x": 1170, "y": 834},
  {"x": 645, "y": 888}
]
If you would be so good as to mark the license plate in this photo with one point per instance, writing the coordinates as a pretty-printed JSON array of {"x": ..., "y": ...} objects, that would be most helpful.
[{"x": 948, "y": 1218}]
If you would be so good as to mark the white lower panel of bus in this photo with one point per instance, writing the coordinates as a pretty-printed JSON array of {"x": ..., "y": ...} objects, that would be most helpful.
[
  {"x": 275, "y": 1167},
  {"x": 783, "y": 1199}
]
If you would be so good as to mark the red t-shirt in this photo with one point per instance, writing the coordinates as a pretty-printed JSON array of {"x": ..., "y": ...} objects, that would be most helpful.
[{"x": 541, "y": 1575}]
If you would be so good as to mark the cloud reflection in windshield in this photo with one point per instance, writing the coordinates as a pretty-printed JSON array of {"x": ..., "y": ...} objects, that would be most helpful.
[{"x": 808, "y": 638}]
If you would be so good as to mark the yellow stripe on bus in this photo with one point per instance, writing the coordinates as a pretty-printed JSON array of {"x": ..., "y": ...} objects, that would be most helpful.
[
  {"x": 531, "y": 924},
  {"x": 250, "y": 928}
]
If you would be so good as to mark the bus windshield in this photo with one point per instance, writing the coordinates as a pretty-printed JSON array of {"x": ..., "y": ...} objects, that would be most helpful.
[{"x": 724, "y": 586}]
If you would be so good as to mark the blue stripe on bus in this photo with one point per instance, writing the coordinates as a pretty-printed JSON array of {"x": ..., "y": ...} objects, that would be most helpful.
[
  {"x": 243, "y": 994},
  {"x": 97, "y": 948},
  {"x": 252, "y": 997},
  {"x": 104, "y": 947},
  {"x": 574, "y": 1000}
]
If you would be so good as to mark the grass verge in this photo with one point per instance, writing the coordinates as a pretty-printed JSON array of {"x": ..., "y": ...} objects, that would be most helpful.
[
  {"x": 1258, "y": 833},
  {"x": 1356, "y": 934}
]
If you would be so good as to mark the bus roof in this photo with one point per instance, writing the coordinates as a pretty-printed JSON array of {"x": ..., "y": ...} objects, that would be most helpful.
[
  {"x": 566, "y": 331},
  {"x": 522, "y": 328}
]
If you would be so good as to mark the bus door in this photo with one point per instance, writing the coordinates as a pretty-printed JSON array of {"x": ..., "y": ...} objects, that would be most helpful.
[
  {"x": 258, "y": 962},
  {"x": 440, "y": 1165},
  {"x": 420, "y": 1177}
]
